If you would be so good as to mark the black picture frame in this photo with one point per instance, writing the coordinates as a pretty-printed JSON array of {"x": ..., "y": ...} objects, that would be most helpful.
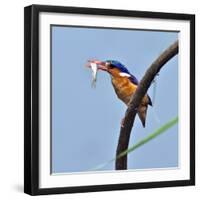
[{"x": 31, "y": 98}]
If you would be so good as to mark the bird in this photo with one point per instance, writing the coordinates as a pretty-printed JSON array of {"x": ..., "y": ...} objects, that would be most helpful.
[{"x": 124, "y": 84}]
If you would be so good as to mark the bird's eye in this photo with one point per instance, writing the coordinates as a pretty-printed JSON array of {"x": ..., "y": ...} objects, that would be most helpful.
[{"x": 108, "y": 64}]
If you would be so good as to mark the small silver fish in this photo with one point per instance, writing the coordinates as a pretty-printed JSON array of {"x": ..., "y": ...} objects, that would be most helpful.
[{"x": 94, "y": 73}]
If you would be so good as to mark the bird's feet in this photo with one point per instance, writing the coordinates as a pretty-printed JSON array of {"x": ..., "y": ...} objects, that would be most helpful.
[{"x": 122, "y": 122}]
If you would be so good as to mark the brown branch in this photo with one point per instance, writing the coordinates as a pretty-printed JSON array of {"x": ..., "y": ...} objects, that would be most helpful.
[{"x": 125, "y": 132}]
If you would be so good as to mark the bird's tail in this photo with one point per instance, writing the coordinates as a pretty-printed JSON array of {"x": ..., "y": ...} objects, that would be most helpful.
[{"x": 142, "y": 113}]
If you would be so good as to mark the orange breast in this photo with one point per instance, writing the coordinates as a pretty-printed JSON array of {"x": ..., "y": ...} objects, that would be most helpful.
[{"x": 124, "y": 89}]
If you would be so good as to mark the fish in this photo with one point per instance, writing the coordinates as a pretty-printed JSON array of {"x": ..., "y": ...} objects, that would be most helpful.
[{"x": 94, "y": 69}]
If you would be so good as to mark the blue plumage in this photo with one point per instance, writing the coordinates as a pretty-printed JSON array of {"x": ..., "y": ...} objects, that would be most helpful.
[
  {"x": 133, "y": 79},
  {"x": 123, "y": 69},
  {"x": 118, "y": 65},
  {"x": 125, "y": 85}
]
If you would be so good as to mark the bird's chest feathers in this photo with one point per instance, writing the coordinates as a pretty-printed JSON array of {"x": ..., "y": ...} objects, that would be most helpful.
[{"x": 123, "y": 88}]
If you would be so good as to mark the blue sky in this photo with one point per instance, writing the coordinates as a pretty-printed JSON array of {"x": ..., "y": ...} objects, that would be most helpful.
[{"x": 86, "y": 121}]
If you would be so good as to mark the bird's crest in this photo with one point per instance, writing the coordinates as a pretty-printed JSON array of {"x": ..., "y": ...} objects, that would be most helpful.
[
  {"x": 118, "y": 65},
  {"x": 123, "y": 70}
]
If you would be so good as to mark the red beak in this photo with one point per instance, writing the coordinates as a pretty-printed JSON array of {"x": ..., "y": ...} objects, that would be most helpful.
[{"x": 100, "y": 64}]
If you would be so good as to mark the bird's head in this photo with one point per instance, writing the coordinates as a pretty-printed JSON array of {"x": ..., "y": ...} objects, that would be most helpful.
[{"x": 113, "y": 67}]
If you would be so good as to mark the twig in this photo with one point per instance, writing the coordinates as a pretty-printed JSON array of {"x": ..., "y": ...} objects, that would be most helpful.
[{"x": 125, "y": 132}]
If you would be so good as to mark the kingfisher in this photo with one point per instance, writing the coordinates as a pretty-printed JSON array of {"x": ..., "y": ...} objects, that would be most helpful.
[{"x": 124, "y": 84}]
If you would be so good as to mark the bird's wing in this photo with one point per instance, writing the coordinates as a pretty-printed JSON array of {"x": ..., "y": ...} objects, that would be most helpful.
[
  {"x": 149, "y": 101},
  {"x": 133, "y": 79}
]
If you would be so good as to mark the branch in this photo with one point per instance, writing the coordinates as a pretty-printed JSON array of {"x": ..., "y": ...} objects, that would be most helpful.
[{"x": 125, "y": 132}]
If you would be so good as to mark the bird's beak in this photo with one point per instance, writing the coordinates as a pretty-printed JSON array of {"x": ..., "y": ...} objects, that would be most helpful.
[{"x": 100, "y": 64}]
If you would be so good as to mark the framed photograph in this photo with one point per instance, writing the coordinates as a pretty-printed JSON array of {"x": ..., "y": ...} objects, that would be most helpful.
[{"x": 109, "y": 99}]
